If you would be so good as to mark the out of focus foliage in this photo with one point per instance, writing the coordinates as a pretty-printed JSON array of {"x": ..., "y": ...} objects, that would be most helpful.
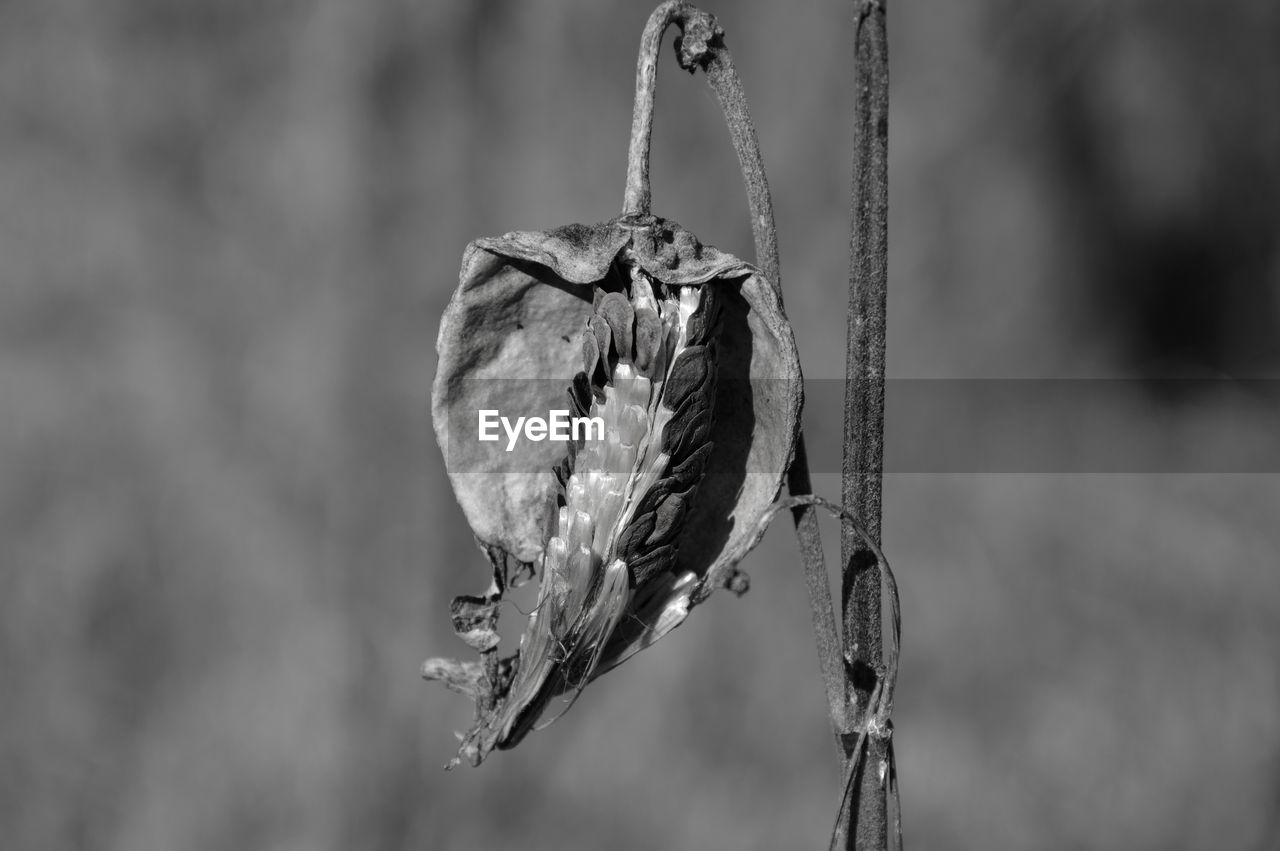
[{"x": 227, "y": 231}]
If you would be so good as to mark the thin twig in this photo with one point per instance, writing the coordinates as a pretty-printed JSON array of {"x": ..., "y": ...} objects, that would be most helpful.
[
  {"x": 873, "y": 735},
  {"x": 864, "y": 824},
  {"x": 887, "y": 679},
  {"x": 728, "y": 89},
  {"x": 826, "y": 632}
]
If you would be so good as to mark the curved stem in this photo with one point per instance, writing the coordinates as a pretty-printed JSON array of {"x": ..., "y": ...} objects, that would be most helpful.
[
  {"x": 881, "y": 706},
  {"x": 727, "y": 86},
  {"x": 701, "y": 44},
  {"x": 724, "y": 81},
  {"x": 638, "y": 197}
]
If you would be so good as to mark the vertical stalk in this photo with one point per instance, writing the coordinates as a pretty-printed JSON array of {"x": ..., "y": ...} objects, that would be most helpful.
[{"x": 865, "y": 820}]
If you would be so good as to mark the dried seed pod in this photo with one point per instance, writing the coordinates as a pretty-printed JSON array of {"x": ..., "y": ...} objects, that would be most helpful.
[{"x": 693, "y": 369}]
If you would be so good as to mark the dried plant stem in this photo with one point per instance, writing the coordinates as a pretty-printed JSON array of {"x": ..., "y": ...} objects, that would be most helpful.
[
  {"x": 702, "y": 45},
  {"x": 825, "y": 630},
  {"x": 864, "y": 822},
  {"x": 874, "y": 734},
  {"x": 638, "y": 197},
  {"x": 728, "y": 89}
]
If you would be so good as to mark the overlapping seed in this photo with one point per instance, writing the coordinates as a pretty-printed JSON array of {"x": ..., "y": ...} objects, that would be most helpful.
[{"x": 649, "y": 367}]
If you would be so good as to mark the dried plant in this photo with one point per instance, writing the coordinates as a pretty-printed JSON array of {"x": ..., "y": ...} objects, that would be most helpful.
[{"x": 685, "y": 355}]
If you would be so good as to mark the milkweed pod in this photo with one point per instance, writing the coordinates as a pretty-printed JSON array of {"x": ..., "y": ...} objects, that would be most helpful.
[{"x": 685, "y": 353}]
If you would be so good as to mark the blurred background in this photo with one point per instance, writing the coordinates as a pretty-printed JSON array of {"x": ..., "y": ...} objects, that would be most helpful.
[{"x": 227, "y": 231}]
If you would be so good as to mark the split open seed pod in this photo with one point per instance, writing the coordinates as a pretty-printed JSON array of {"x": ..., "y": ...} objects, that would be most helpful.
[
  {"x": 511, "y": 340},
  {"x": 683, "y": 357}
]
